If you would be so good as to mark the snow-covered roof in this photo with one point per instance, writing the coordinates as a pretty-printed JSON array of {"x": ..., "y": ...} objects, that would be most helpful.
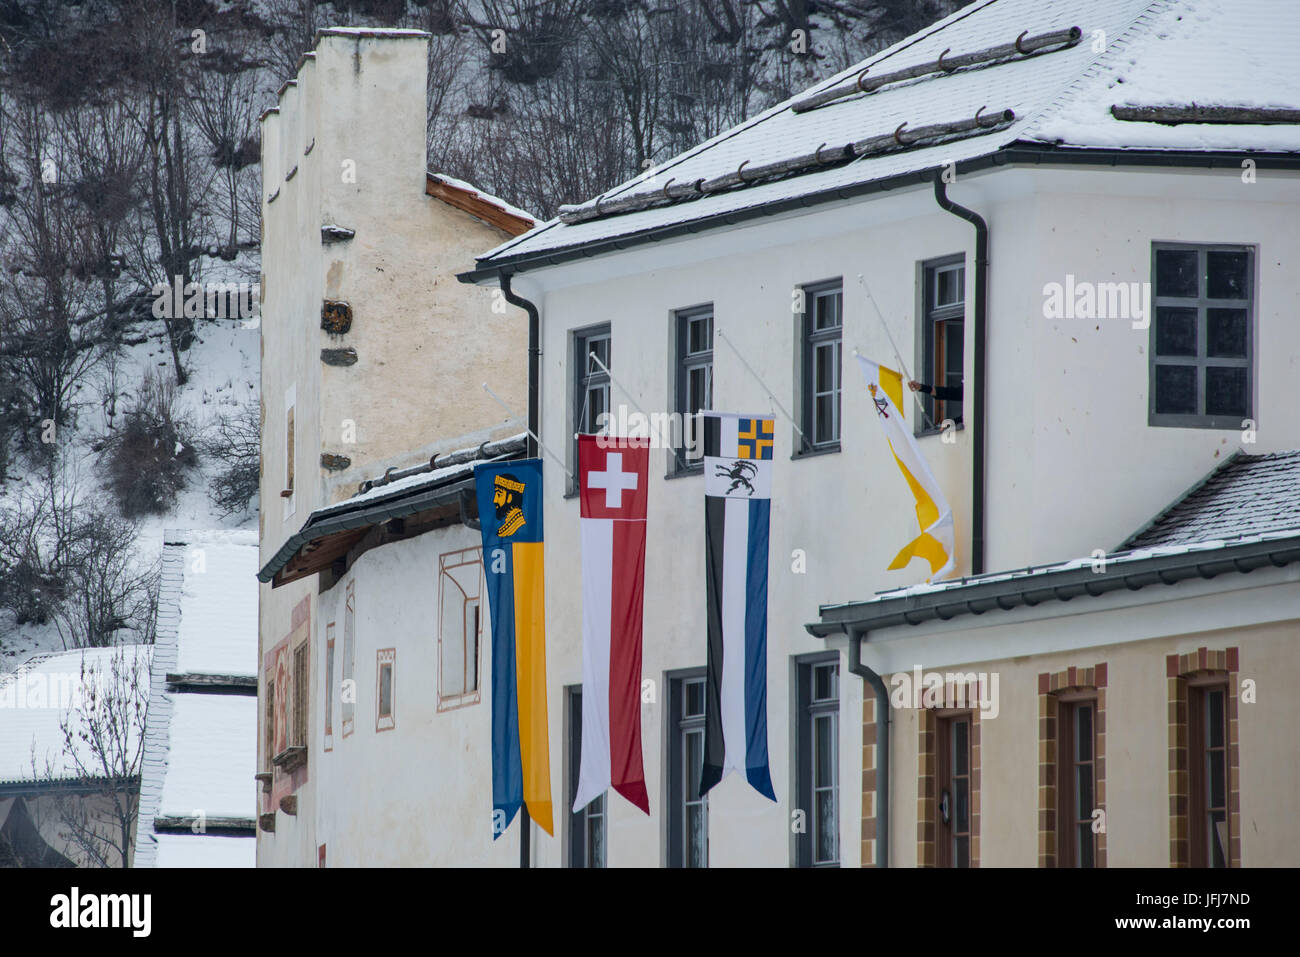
[
  {"x": 200, "y": 751},
  {"x": 1245, "y": 496},
  {"x": 204, "y": 850},
  {"x": 477, "y": 193},
  {"x": 47, "y": 690},
  {"x": 1131, "y": 52}
]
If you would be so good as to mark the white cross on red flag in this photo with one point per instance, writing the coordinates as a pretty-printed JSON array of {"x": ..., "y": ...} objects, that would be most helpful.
[{"x": 613, "y": 480}]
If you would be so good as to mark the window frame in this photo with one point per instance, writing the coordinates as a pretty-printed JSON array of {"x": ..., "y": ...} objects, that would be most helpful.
[
  {"x": 678, "y": 728},
  {"x": 945, "y": 731},
  {"x": 300, "y": 721},
  {"x": 461, "y": 558},
  {"x": 684, "y": 363},
  {"x": 1201, "y": 361},
  {"x": 577, "y": 844},
  {"x": 385, "y": 658},
  {"x": 349, "y": 666},
  {"x": 328, "y": 696},
  {"x": 810, "y": 709},
  {"x": 810, "y": 340},
  {"x": 582, "y": 378},
  {"x": 1068, "y": 818},
  {"x": 1198, "y": 780},
  {"x": 931, "y": 313},
  {"x": 287, "y": 495}
]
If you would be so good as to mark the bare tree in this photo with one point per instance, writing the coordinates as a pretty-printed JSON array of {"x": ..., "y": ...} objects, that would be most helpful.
[{"x": 96, "y": 778}]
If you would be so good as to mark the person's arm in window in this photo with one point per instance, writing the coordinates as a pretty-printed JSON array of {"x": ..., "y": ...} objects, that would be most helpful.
[{"x": 946, "y": 393}]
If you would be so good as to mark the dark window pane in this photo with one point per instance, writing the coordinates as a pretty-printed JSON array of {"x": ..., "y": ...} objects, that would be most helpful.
[
  {"x": 961, "y": 847},
  {"x": 1218, "y": 839},
  {"x": 600, "y": 348},
  {"x": 1175, "y": 331},
  {"x": 1225, "y": 333},
  {"x": 1176, "y": 390},
  {"x": 1176, "y": 272},
  {"x": 697, "y": 390},
  {"x": 1215, "y": 714},
  {"x": 826, "y": 311},
  {"x": 1086, "y": 856},
  {"x": 827, "y": 829},
  {"x": 1226, "y": 275},
  {"x": 823, "y": 682},
  {"x": 1084, "y": 793},
  {"x": 961, "y": 756},
  {"x": 1225, "y": 390},
  {"x": 1218, "y": 785},
  {"x": 694, "y": 764},
  {"x": 948, "y": 286},
  {"x": 825, "y": 367},
  {"x": 825, "y": 431},
  {"x": 695, "y": 836},
  {"x": 700, "y": 334},
  {"x": 961, "y": 805},
  {"x": 952, "y": 353},
  {"x": 1083, "y": 732},
  {"x": 386, "y": 689},
  {"x": 824, "y": 734},
  {"x": 694, "y": 698}
]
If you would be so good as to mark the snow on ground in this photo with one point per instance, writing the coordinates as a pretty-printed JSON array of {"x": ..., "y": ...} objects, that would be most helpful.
[{"x": 224, "y": 373}]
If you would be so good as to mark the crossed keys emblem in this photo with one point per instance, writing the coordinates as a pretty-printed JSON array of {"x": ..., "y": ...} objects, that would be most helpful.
[{"x": 882, "y": 404}]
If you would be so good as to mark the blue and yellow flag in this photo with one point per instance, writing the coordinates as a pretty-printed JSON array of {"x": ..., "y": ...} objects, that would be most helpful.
[{"x": 510, "y": 514}]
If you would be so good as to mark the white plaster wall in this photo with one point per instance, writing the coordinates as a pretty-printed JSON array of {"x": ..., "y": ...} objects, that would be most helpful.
[
  {"x": 419, "y": 794},
  {"x": 425, "y": 342},
  {"x": 1072, "y": 463}
]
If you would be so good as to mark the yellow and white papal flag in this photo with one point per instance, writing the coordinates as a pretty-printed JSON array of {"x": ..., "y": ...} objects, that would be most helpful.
[{"x": 936, "y": 543}]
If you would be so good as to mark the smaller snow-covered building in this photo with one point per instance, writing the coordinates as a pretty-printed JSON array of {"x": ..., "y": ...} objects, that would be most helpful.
[
  {"x": 198, "y": 800},
  {"x": 60, "y": 808}
]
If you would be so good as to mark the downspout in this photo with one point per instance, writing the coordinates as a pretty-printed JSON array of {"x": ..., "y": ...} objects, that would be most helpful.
[
  {"x": 534, "y": 370},
  {"x": 882, "y": 740},
  {"x": 981, "y": 316},
  {"x": 534, "y": 360}
]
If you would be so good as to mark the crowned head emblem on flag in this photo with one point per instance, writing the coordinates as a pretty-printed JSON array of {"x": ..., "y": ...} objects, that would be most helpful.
[{"x": 508, "y": 499}]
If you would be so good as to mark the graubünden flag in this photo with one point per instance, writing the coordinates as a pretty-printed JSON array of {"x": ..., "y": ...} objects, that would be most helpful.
[
  {"x": 613, "y": 480},
  {"x": 737, "y": 505},
  {"x": 510, "y": 515}
]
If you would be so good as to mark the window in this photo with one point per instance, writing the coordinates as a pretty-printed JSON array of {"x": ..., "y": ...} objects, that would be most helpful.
[
  {"x": 943, "y": 336},
  {"x": 823, "y": 326},
  {"x": 953, "y": 824},
  {"x": 694, "y": 385},
  {"x": 1207, "y": 744},
  {"x": 328, "y": 685},
  {"x": 587, "y": 826},
  {"x": 688, "y": 810},
  {"x": 460, "y": 627},
  {"x": 1076, "y": 843},
  {"x": 817, "y": 760},
  {"x": 289, "y": 452},
  {"x": 1202, "y": 335},
  {"x": 349, "y": 660},
  {"x": 268, "y": 718},
  {"x": 590, "y": 384},
  {"x": 385, "y": 663},
  {"x": 301, "y": 689}
]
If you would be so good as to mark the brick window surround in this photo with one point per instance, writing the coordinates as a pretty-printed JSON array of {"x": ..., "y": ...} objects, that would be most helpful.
[
  {"x": 927, "y": 786},
  {"x": 869, "y": 772},
  {"x": 1052, "y": 689},
  {"x": 1182, "y": 672}
]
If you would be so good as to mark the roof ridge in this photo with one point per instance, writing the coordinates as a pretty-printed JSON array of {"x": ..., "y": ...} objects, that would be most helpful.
[
  {"x": 775, "y": 110},
  {"x": 1060, "y": 99}
]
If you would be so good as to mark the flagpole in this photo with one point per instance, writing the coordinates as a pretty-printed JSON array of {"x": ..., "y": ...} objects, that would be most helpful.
[
  {"x": 605, "y": 369},
  {"x": 531, "y": 434},
  {"x": 770, "y": 394},
  {"x": 902, "y": 366}
]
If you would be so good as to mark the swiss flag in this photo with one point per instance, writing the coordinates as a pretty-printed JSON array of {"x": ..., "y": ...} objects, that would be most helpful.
[{"x": 613, "y": 476}]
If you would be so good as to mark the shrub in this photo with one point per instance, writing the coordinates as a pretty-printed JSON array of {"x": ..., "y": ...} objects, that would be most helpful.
[
  {"x": 149, "y": 455},
  {"x": 234, "y": 441}
]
